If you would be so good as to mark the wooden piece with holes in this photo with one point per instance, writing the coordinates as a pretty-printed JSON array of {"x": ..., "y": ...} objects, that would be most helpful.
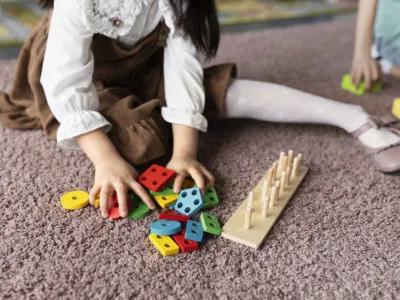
[
  {"x": 173, "y": 215},
  {"x": 210, "y": 198},
  {"x": 156, "y": 177},
  {"x": 165, "y": 201},
  {"x": 164, "y": 244},
  {"x": 184, "y": 244},
  {"x": 210, "y": 223},
  {"x": 255, "y": 234},
  {"x": 75, "y": 200},
  {"x": 137, "y": 209},
  {"x": 113, "y": 213}
]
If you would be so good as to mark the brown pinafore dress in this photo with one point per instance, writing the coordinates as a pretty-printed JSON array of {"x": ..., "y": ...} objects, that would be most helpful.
[{"x": 130, "y": 87}]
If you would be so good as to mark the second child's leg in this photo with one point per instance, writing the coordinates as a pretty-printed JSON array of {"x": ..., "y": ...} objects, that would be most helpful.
[{"x": 275, "y": 103}]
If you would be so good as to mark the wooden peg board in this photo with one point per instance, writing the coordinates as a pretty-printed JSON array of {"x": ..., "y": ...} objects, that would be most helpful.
[{"x": 259, "y": 228}]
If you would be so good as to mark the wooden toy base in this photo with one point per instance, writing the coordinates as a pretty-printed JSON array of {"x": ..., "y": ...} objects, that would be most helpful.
[{"x": 259, "y": 228}]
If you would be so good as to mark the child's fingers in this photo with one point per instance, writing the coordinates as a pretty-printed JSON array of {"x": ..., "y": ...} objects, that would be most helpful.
[
  {"x": 105, "y": 199},
  {"x": 122, "y": 199},
  {"x": 198, "y": 178},
  {"x": 178, "y": 183},
  {"x": 367, "y": 78},
  {"x": 210, "y": 179},
  {"x": 375, "y": 72},
  {"x": 141, "y": 192},
  {"x": 93, "y": 193}
]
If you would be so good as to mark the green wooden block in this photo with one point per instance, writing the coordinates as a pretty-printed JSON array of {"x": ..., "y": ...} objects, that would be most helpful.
[
  {"x": 210, "y": 223},
  {"x": 347, "y": 85},
  {"x": 210, "y": 198},
  {"x": 138, "y": 209}
]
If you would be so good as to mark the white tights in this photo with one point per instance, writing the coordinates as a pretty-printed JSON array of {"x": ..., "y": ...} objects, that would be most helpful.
[{"x": 276, "y": 103}]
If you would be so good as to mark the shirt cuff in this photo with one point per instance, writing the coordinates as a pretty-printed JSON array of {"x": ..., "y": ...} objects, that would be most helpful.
[
  {"x": 185, "y": 117},
  {"x": 78, "y": 123}
]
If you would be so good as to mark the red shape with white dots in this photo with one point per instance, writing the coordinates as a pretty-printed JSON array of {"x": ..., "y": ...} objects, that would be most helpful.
[
  {"x": 184, "y": 244},
  {"x": 156, "y": 177}
]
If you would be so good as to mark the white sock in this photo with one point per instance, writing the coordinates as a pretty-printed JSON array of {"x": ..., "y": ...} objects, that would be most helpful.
[{"x": 276, "y": 103}]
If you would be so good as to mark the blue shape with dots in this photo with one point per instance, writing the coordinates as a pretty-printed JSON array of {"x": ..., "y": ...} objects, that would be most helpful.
[
  {"x": 190, "y": 202},
  {"x": 194, "y": 231}
]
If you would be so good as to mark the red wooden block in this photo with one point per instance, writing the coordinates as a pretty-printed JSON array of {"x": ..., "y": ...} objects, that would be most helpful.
[
  {"x": 155, "y": 177},
  {"x": 170, "y": 214},
  {"x": 113, "y": 213},
  {"x": 184, "y": 244}
]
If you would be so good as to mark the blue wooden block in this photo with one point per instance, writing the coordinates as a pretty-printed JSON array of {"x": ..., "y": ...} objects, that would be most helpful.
[
  {"x": 194, "y": 231},
  {"x": 172, "y": 206},
  {"x": 165, "y": 227},
  {"x": 190, "y": 202}
]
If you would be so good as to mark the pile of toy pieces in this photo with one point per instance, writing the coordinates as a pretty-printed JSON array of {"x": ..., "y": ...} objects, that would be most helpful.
[{"x": 174, "y": 221}]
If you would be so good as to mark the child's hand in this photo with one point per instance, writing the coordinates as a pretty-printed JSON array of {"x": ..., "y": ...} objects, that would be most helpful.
[
  {"x": 184, "y": 166},
  {"x": 116, "y": 175},
  {"x": 364, "y": 67}
]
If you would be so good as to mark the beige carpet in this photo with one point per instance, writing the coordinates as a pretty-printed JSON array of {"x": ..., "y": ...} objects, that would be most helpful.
[{"x": 338, "y": 238}]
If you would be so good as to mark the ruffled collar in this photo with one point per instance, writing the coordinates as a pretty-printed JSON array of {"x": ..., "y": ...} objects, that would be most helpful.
[{"x": 101, "y": 16}]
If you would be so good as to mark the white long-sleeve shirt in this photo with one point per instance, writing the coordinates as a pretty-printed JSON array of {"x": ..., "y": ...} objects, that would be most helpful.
[{"x": 68, "y": 63}]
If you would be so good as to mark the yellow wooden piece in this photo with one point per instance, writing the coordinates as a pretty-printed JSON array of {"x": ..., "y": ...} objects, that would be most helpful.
[
  {"x": 396, "y": 108},
  {"x": 75, "y": 200},
  {"x": 97, "y": 201},
  {"x": 253, "y": 237},
  {"x": 165, "y": 201},
  {"x": 164, "y": 244}
]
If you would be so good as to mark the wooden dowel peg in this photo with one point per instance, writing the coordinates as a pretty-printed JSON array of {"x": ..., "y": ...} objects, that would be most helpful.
[
  {"x": 288, "y": 171},
  {"x": 280, "y": 165},
  {"x": 272, "y": 198},
  {"x": 270, "y": 175},
  {"x": 250, "y": 201},
  {"x": 300, "y": 159},
  {"x": 264, "y": 212},
  {"x": 283, "y": 182},
  {"x": 294, "y": 169},
  {"x": 285, "y": 163},
  {"x": 290, "y": 158},
  {"x": 274, "y": 170},
  {"x": 277, "y": 185},
  {"x": 264, "y": 192},
  {"x": 247, "y": 218}
]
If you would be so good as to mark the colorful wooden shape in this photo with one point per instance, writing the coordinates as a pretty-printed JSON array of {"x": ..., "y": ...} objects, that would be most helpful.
[
  {"x": 167, "y": 191},
  {"x": 348, "y": 85},
  {"x": 155, "y": 177},
  {"x": 164, "y": 244},
  {"x": 113, "y": 213},
  {"x": 210, "y": 198},
  {"x": 172, "y": 206},
  {"x": 173, "y": 215},
  {"x": 75, "y": 200},
  {"x": 138, "y": 209},
  {"x": 188, "y": 183},
  {"x": 190, "y": 202},
  {"x": 165, "y": 201},
  {"x": 97, "y": 201},
  {"x": 194, "y": 231},
  {"x": 210, "y": 223},
  {"x": 396, "y": 108},
  {"x": 165, "y": 227},
  {"x": 184, "y": 244}
]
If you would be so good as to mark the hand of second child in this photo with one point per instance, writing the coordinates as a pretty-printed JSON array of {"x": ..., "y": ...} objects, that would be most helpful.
[
  {"x": 184, "y": 166},
  {"x": 364, "y": 67},
  {"x": 116, "y": 175}
]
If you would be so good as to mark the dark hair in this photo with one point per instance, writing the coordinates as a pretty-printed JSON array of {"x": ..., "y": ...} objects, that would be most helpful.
[{"x": 197, "y": 18}]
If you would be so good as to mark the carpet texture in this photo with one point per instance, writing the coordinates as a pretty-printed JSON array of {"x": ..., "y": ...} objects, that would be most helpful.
[{"x": 337, "y": 239}]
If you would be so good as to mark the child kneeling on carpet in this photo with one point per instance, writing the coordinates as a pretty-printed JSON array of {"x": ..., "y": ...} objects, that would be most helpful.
[
  {"x": 377, "y": 47},
  {"x": 108, "y": 76}
]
